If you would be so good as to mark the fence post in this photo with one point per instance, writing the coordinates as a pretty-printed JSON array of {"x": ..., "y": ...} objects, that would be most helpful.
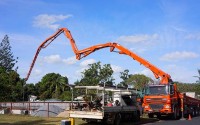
[
  {"x": 29, "y": 107},
  {"x": 11, "y": 107},
  {"x": 48, "y": 110}
]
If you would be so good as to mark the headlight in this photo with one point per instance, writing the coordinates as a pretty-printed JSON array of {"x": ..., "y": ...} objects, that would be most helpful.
[
  {"x": 167, "y": 106},
  {"x": 146, "y": 106},
  {"x": 148, "y": 99},
  {"x": 168, "y": 100}
]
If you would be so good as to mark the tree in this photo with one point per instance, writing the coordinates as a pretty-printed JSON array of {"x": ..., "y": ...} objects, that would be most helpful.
[
  {"x": 139, "y": 81},
  {"x": 10, "y": 82},
  {"x": 198, "y": 81},
  {"x": 11, "y": 86},
  {"x": 188, "y": 87},
  {"x": 52, "y": 85},
  {"x": 97, "y": 74},
  {"x": 4, "y": 85},
  {"x": 105, "y": 74},
  {"x": 30, "y": 89},
  {"x": 124, "y": 76},
  {"x": 6, "y": 56}
]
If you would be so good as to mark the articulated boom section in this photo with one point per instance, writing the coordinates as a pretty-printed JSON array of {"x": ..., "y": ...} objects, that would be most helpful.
[{"x": 85, "y": 52}]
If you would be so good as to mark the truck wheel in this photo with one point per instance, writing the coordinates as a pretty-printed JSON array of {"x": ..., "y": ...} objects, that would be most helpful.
[
  {"x": 175, "y": 114},
  {"x": 193, "y": 113},
  {"x": 150, "y": 115},
  {"x": 117, "y": 119},
  {"x": 137, "y": 116},
  {"x": 158, "y": 116},
  {"x": 198, "y": 112}
]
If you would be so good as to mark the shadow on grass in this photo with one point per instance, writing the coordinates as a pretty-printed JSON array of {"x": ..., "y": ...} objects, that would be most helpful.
[{"x": 36, "y": 122}]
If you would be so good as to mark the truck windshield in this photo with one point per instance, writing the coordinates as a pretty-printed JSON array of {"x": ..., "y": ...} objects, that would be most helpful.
[{"x": 157, "y": 90}]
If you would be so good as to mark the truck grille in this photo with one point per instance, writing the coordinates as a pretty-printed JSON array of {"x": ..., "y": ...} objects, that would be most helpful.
[
  {"x": 155, "y": 100},
  {"x": 156, "y": 106}
]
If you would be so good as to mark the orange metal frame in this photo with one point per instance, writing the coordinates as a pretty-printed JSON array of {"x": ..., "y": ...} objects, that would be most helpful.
[{"x": 85, "y": 52}]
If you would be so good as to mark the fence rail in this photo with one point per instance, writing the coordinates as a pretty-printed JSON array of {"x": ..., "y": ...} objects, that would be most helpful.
[{"x": 32, "y": 106}]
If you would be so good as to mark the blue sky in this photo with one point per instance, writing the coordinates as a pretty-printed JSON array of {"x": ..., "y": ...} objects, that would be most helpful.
[{"x": 164, "y": 32}]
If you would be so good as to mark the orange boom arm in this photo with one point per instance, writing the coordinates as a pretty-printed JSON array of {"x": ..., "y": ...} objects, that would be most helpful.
[{"x": 165, "y": 78}]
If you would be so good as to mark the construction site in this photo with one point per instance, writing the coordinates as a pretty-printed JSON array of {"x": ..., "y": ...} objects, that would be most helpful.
[
  {"x": 123, "y": 104},
  {"x": 97, "y": 66}
]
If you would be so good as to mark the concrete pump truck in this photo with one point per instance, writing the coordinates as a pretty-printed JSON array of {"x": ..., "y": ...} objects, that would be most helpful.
[{"x": 160, "y": 99}]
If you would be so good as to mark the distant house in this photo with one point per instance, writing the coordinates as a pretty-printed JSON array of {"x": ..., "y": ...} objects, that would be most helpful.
[{"x": 32, "y": 98}]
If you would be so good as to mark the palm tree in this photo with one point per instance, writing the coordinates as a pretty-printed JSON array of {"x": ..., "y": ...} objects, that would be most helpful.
[
  {"x": 60, "y": 85},
  {"x": 53, "y": 85}
]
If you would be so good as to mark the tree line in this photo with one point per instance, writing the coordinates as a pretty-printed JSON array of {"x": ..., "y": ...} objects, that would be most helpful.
[{"x": 53, "y": 85}]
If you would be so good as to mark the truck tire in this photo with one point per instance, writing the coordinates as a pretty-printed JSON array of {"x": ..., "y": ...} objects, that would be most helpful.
[
  {"x": 137, "y": 119},
  {"x": 117, "y": 119},
  {"x": 158, "y": 116},
  {"x": 198, "y": 112},
  {"x": 150, "y": 115},
  {"x": 175, "y": 115},
  {"x": 193, "y": 113}
]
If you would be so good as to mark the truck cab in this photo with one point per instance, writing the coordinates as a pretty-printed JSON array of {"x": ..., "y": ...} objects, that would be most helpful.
[{"x": 161, "y": 99}]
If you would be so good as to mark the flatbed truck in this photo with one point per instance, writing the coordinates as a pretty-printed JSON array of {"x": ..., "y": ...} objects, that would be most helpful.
[{"x": 127, "y": 107}]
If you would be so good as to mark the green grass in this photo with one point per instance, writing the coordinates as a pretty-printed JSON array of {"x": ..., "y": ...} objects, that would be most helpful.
[{"x": 30, "y": 120}]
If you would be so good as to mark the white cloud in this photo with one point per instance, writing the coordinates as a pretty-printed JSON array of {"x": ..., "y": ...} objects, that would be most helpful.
[
  {"x": 177, "y": 73},
  {"x": 84, "y": 66},
  {"x": 57, "y": 59},
  {"x": 138, "y": 49},
  {"x": 116, "y": 68},
  {"x": 53, "y": 59},
  {"x": 179, "y": 29},
  {"x": 79, "y": 71},
  {"x": 175, "y": 56},
  {"x": 148, "y": 73},
  {"x": 49, "y": 21},
  {"x": 193, "y": 36},
  {"x": 138, "y": 38},
  {"x": 37, "y": 72},
  {"x": 86, "y": 62},
  {"x": 70, "y": 60},
  {"x": 181, "y": 74}
]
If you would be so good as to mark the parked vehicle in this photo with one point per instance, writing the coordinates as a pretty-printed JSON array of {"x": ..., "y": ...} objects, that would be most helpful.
[
  {"x": 165, "y": 99},
  {"x": 111, "y": 105}
]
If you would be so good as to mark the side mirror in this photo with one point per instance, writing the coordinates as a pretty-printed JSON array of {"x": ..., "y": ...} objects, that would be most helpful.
[{"x": 172, "y": 89}]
